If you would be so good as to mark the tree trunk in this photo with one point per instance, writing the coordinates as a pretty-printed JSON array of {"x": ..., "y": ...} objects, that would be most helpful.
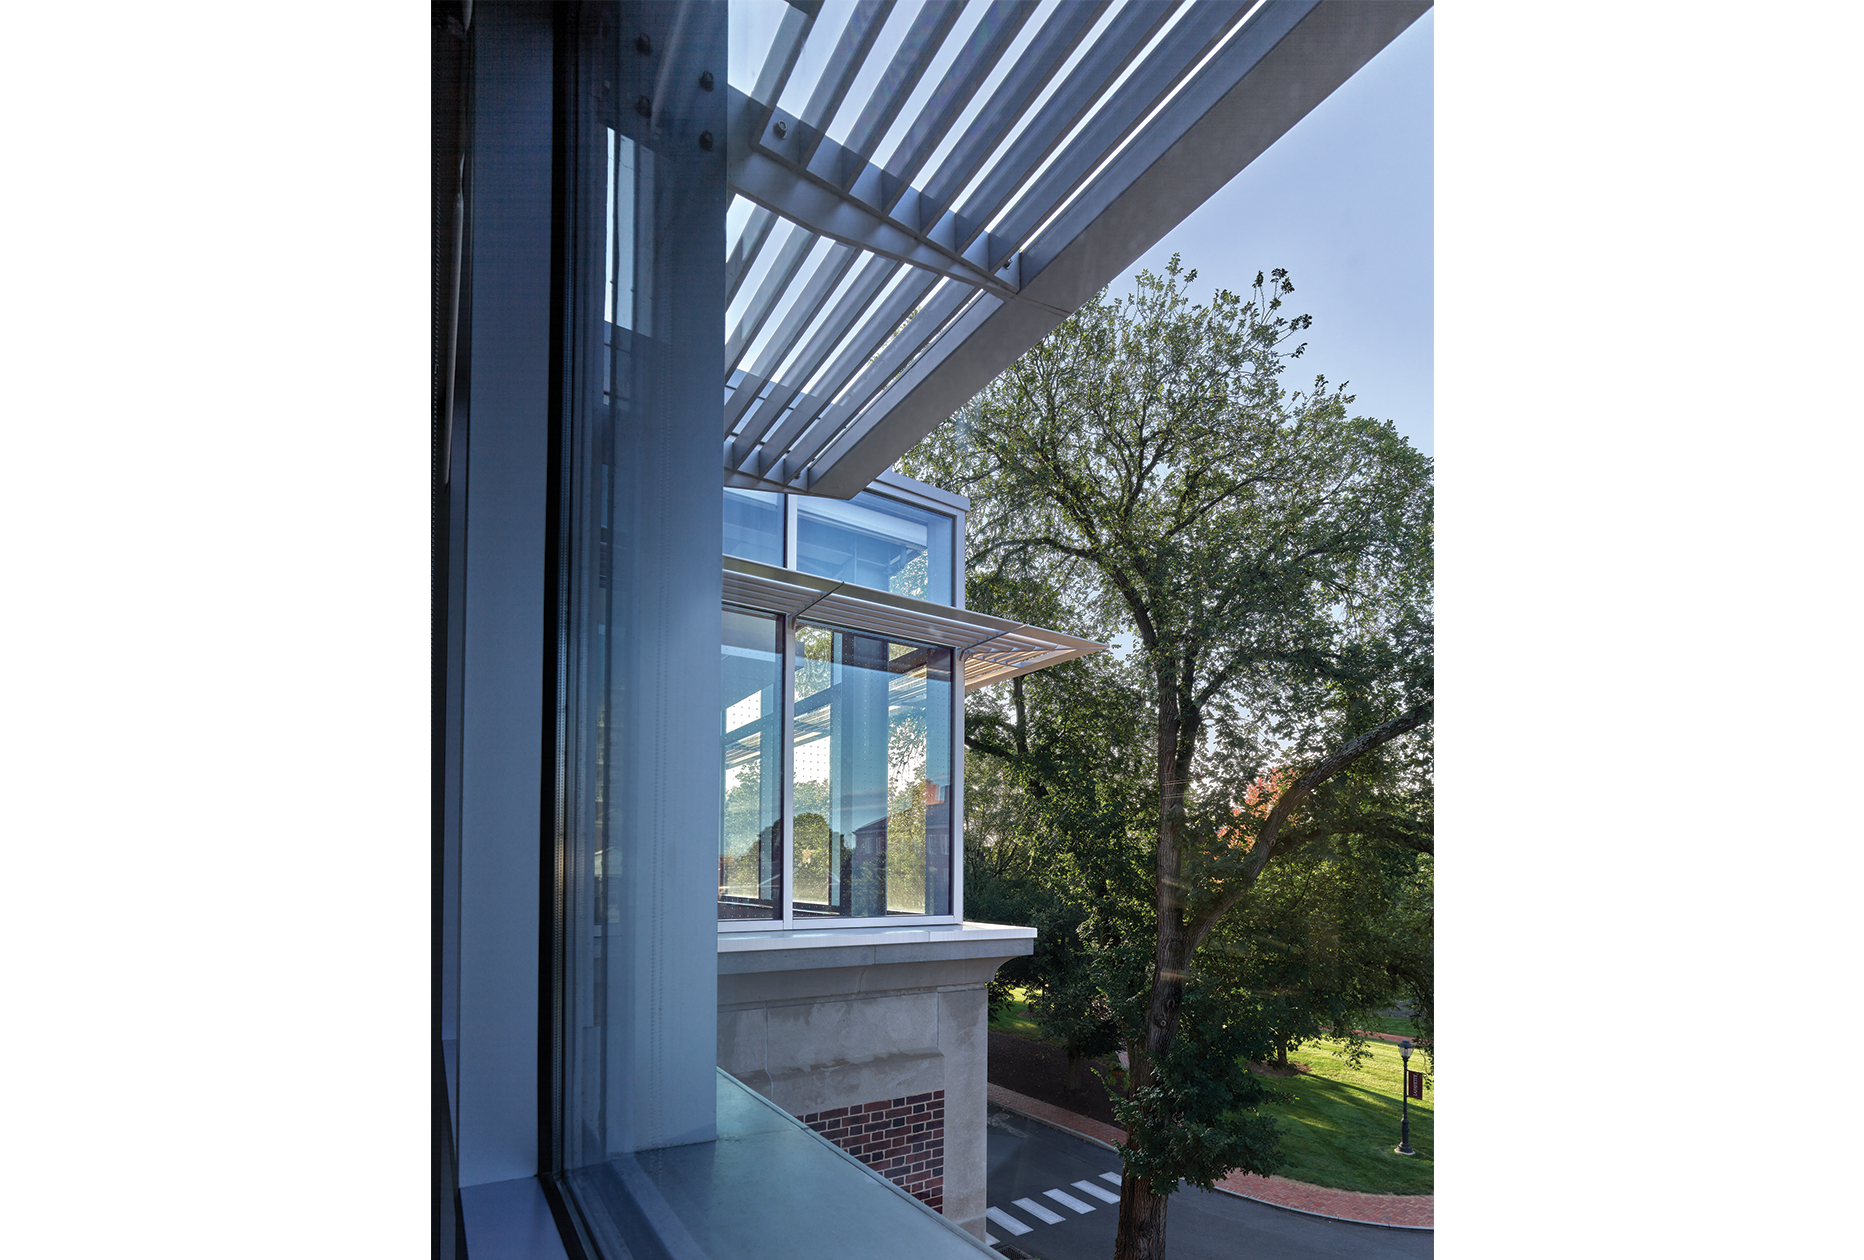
[
  {"x": 1141, "y": 1233},
  {"x": 1071, "y": 1082},
  {"x": 1281, "y": 1054}
]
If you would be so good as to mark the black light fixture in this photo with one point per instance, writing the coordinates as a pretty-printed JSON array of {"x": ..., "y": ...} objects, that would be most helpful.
[{"x": 1404, "y": 1100}]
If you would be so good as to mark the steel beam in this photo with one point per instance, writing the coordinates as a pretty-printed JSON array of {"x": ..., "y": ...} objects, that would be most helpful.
[{"x": 840, "y": 195}]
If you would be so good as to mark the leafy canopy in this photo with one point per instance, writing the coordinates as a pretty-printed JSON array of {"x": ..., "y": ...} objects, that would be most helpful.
[{"x": 1145, "y": 475}]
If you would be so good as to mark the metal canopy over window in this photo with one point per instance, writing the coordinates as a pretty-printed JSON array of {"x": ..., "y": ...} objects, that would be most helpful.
[
  {"x": 922, "y": 191},
  {"x": 993, "y": 649}
]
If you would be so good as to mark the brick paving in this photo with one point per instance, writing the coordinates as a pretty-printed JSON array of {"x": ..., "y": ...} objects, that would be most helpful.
[
  {"x": 1083, "y": 1126},
  {"x": 1037, "y": 1070},
  {"x": 1414, "y": 1210},
  {"x": 1379, "y": 1036}
]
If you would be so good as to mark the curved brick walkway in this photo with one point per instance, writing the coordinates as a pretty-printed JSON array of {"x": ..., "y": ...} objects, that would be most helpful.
[{"x": 1414, "y": 1211}]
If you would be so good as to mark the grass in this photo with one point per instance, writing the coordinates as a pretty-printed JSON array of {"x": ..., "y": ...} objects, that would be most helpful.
[
  {"x": 1016, "y": 1019},
  {"x": 1399, "y": 1026},
  {"x": 1339, "y": 1125}
]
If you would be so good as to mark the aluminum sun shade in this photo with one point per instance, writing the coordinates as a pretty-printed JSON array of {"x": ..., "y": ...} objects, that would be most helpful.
[
  {"x": 993, "y": 649},
  {"x": 885, "y": 262}
]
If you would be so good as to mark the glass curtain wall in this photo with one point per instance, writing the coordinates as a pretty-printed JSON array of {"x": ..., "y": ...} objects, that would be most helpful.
[
  {"x": 640, "y": 121},
  {"x": 870, "y": 540},
  {"x": 754, "y": 525},
  {"x": 872, "y": 776},
  {"x": 876, "y": 542},
  {"x": 750, "y": 859}
]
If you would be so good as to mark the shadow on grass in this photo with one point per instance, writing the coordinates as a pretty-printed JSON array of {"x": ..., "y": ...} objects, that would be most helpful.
[{"x": 1339, "y": 1127}]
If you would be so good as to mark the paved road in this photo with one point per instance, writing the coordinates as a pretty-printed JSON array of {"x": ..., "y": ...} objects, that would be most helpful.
[{"x": 1028, "y": 1160}]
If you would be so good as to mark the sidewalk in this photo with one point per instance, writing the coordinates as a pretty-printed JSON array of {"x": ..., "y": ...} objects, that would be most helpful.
[
  {"x": 1379, "y": 1036},
  {"x": 1404, "y": 1211}
]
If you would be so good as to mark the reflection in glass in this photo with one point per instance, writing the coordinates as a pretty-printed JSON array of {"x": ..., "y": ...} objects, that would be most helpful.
[
  {"x": 876, "y": 542},
  {"x": 750, "y": 861},
  {"x": 871, "y": 787},
  {"x": 754, "y": 525},
  {"x": 620, "y": 262}
]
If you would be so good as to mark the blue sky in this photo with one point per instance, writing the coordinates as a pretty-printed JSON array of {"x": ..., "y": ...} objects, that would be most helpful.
[{"x": 1343, "y": 201}]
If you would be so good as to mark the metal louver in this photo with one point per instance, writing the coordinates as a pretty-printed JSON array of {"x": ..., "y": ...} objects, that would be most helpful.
[{"x": 923, "y": 190}]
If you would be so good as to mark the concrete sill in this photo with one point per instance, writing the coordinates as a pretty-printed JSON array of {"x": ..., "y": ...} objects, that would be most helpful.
[
  {"x": 768, "y": 1186},
  {"x": 830, "y": 938}
]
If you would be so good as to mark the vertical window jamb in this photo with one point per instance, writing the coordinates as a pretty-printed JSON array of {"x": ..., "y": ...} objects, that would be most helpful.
[
  {"x": 786, "y": 773},
  {"x": 957, "y": 723},
  {"x": 957, "y": 559},
  {"x": 955, "y": 815},
  {"x": 789, "y": 532}
]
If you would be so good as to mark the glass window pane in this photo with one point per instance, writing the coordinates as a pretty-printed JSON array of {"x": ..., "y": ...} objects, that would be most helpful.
[
  {"x": 750, "y": 850},
  {"x": 876, "y": 542},
  {"x": 618, "y": 304},
  {"x": 872, "y": 776},
  {"x": 754, "y": 525}
]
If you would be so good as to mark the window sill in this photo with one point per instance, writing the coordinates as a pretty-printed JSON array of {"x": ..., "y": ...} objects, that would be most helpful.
[
  {"x": 803, "y": 950},
  {"x": 759, "y": 1190},
  {"x": 937, "y": 936}
]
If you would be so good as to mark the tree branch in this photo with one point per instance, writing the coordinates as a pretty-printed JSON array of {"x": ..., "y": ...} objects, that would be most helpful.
[{"x": 1293, "y": 798}]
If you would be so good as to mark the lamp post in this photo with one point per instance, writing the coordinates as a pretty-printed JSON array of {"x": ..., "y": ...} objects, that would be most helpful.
[{"x": 1404, "y": 1100}]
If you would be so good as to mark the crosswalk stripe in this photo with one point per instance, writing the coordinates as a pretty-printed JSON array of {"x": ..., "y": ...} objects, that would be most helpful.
[
  {"x": 1069, "y": 1201},
  {"x": 1113, "y": 1177},
  {"x": 1039, "y": 1212},
  {"x": 1088, "y": 1187},
  {"x": 990, "y": 1239},
  {"x": 1007, "y": 1221}
]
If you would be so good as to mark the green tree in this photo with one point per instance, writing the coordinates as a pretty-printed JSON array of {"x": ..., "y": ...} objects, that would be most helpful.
[
  {"x": 1269, "y": 557},
  {"x": 1317, "y": 939},
  {"x": 1025, "y": 811}
]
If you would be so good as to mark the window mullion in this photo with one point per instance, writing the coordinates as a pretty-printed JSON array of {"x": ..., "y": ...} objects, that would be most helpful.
[
  {"x": 955, "y": 827},
  {"x": 786, "y": 769}
]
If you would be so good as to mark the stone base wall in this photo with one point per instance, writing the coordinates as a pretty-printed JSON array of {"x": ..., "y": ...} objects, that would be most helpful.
[
  {"x": 902, "y": 1139},
  {"x": 867, "y": 1044}
]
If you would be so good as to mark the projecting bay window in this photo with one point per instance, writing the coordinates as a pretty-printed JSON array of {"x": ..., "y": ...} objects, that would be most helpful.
[
  {"x": 864, "y": 747},
  {"x": 846, "y": 654},
  {"x": 871, "y": 782}
]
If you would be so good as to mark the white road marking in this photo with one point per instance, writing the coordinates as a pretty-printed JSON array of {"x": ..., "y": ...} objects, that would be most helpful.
[
  {"x": 1039, "y": 1212},
  {"x": 1113, "y": 1177},
  {"x": 1007, "y": 1221},
  {"x": 1069, "y": 1201},
  {"x": 1088, "y": 1187},
  {"x": 990, "y": 1239}
]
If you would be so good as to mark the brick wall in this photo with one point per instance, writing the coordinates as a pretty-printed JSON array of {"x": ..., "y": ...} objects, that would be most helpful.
[{"x": 902, "y": 1139}]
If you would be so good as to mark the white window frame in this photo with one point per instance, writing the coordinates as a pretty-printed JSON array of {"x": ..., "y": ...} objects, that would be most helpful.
[{"x": 786, "y": 772}]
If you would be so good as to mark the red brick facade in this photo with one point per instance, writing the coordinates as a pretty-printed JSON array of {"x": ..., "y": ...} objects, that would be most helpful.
[{"x": 902, "y": 1139}]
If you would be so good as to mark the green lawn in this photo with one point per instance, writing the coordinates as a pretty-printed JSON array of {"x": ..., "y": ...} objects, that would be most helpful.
[
  {"x": 1017, "y": 1019},
  {"x": 1339, "y": 1125},
  {"x": 1397, "y": 1027}
]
